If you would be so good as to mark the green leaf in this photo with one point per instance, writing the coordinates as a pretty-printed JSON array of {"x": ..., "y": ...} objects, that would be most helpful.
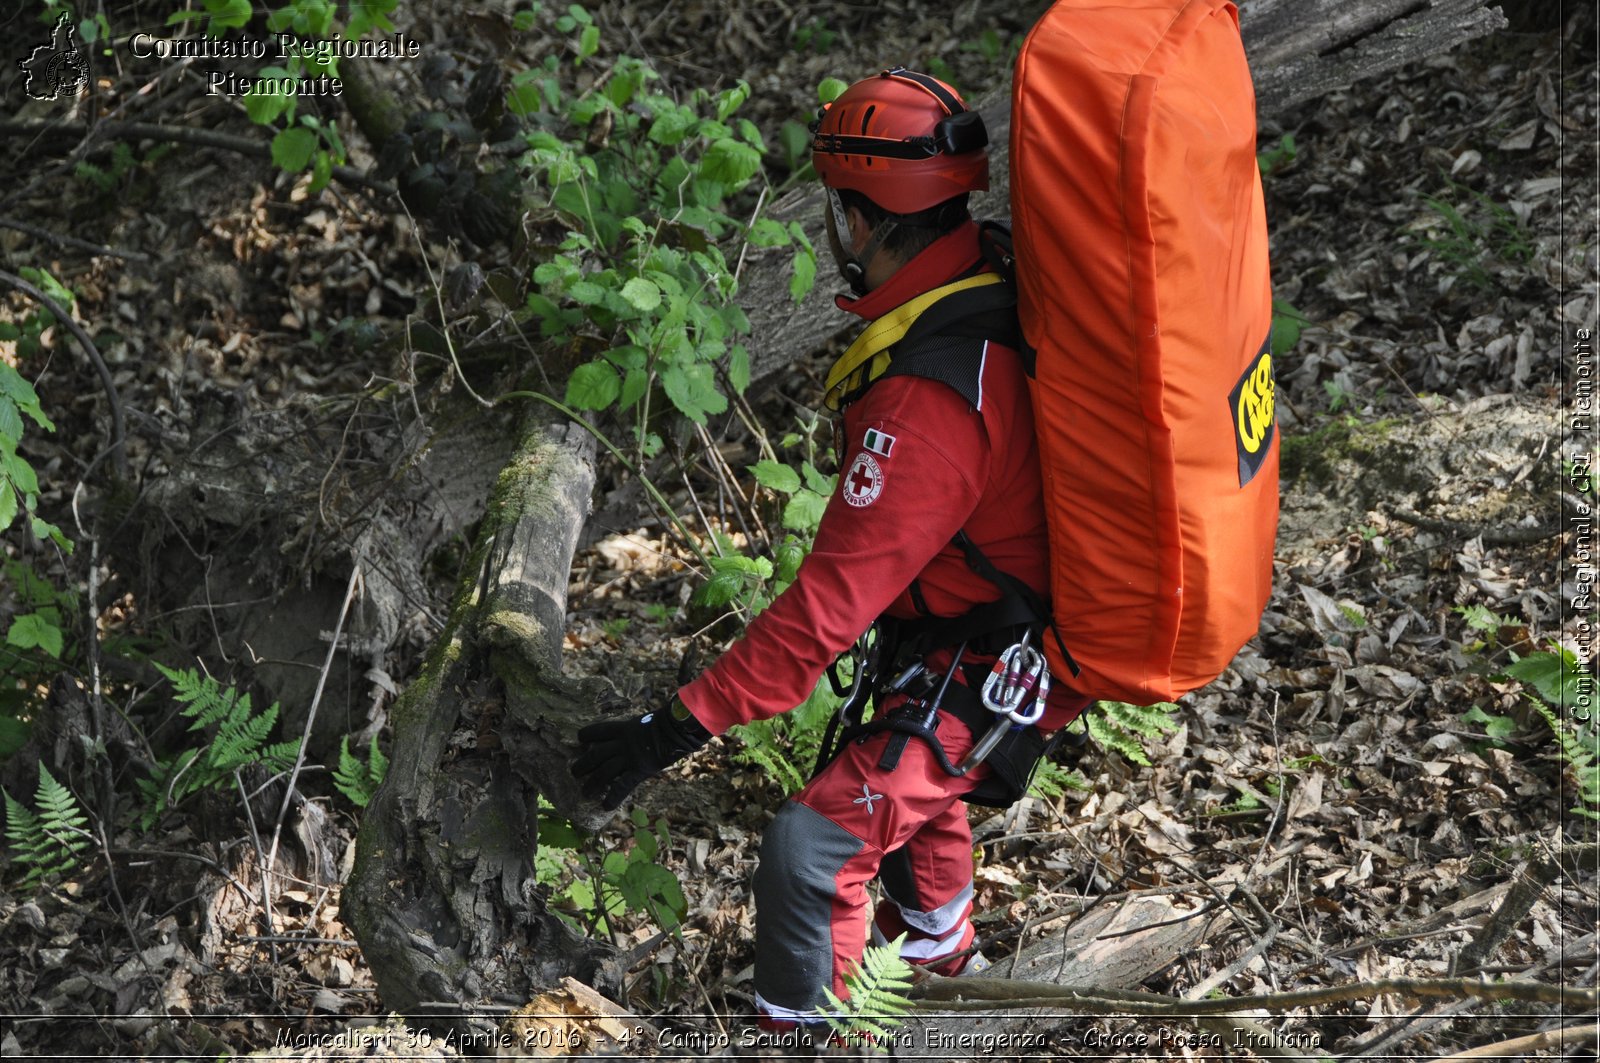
[
  {"x": 787, "y": 558},
  {"x": 34, "y": 630},
  {"x": 1556, "y": 677},
  {"x": 13, "y": 735},
  {"x": 226, "y": 14},
  {"x": 671, "y": 126},
  {"x": 804, "y": 273},
  {"x": 593, "y": 386},
  {"x": 739, "y": 368},
  {"x": 8, "y": 505},
  {"x": 776, "y": 476},
  {"x": 730, "y": 100},
  {"x": 292, "y": 149},
  {"x": 822, "y": 485},
  {"x": 693, "y": 390},
  {"x": 768, "y": 233},
  {"x": 730, "y": 162},
  {"x": 830, "y": 89},
  {"x": 321, "y": 171},
  {"x": 588, "y": 42},
  {"x": 804, "y": 511},
  {"x": 641, "y": 294},
  {"x": 10, "y": 419}
]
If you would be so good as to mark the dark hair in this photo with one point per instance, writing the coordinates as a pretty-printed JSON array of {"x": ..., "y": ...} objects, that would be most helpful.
[{"x": 913, "y": 233}]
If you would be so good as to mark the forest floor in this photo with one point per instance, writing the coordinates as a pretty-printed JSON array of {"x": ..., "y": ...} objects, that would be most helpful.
[{"x": 1350, "y": 802}]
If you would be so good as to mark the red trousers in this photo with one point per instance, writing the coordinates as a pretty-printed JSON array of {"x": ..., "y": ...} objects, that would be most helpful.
[{"x": 854, "y": 821}]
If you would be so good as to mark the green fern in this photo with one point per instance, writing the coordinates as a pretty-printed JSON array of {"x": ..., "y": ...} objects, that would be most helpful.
[
  {"x": 49, "y": 842},
  {"x": 785, "y": 747},
  {"x": 240, "y": 742},
  {"x": 1124, "y": 728},
  {"x": 877, "y": 999},
  {"x": 1052, "y": 780},
  {"x": 1580, "y": 748},
  {"x": 356, "y": 780}
]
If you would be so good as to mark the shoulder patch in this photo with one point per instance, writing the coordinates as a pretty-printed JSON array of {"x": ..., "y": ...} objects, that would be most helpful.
[
  {"x": 862, "y": 485},
  {"x": 880, "y": 443}
]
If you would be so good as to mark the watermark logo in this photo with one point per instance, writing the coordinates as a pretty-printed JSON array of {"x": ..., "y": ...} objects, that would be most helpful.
[{"x": 58, "y": 69}]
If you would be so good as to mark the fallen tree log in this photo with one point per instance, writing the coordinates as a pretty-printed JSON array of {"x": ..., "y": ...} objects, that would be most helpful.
[{"x": 1299, "y": 50}]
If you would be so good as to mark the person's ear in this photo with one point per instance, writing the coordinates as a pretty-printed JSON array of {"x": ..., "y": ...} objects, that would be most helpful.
[{"x": 860, "y": 229}]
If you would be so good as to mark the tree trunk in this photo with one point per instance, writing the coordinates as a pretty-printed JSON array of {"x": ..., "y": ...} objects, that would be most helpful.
[{"x": 443, "y": 898}]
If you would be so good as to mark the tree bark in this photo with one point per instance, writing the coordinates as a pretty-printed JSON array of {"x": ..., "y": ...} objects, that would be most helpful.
[{"x": 443, "y": 897}]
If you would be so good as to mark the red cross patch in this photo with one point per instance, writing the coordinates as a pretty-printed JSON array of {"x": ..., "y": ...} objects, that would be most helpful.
[{"x": 864, "y": 482}]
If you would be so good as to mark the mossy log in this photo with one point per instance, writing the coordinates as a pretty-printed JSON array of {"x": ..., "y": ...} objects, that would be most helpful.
[{"x": 443, "y": 897}]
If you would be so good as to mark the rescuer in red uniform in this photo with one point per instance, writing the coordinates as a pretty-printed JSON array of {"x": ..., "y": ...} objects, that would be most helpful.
[{"x": 935, "y": 539}]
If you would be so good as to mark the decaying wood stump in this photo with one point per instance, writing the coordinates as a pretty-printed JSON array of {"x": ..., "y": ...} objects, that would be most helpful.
[{"x": 443, "y": 897}]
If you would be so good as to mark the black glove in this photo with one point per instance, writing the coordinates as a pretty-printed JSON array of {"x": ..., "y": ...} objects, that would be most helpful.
[{"x": 617, "y": 755}]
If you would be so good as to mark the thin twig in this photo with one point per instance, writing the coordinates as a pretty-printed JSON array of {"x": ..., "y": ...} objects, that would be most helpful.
[
  {"x": 1533, "y": 1042},
  {"x": 311, "y": 714},
  {"x": 71, "y": 241},
  {"x": 118, "y": 451},
  {"x": 202, "y": 138}
]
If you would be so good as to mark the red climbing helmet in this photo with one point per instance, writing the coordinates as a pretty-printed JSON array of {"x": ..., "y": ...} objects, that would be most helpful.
[{"x": 904, "y": 140}]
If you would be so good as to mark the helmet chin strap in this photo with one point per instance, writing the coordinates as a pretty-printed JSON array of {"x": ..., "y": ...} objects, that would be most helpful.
[{"x": 854, "y": 267}]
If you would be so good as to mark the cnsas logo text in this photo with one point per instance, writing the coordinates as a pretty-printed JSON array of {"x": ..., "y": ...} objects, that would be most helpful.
[{"x": 1253, "y": 403}]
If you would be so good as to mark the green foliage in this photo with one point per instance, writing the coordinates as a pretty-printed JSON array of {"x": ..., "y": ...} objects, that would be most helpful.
[
  {"x": 1124, "y": 728},
  {"x": 1565, "y": 700},
  {"x": 238, "y": 741},
  {"x": 301, "y": 141},
  {"x": 643, "y": 183},
  {"x": 356, "y": 779},
  {"x": 50, "y": 842},
  {"x": 877, "y": 999},
  {"x": 108, "y": 179},
  {"x": 1579, "y": 742},
  {"x": 1287, "y": 324},
  {"x": 786, "y": 746},
  {"x": 815, "y": 37},
  {"x": 1476, "y": 238},
  {"x": 19, "y": 484},
  {"x": 622, "y": 882},
  {"x": 1054, "y": 780},
  {"x": 1279, "y": 157}
]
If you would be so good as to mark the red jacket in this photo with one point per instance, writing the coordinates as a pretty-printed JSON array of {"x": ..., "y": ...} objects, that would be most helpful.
[{"x": 932, "y": 466}]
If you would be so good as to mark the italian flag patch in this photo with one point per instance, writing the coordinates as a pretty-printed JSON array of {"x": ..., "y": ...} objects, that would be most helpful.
[{"x": 880, "y": 443}]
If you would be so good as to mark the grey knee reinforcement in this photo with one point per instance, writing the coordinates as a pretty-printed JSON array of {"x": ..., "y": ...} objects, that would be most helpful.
[{"x": 802, "y": 853}]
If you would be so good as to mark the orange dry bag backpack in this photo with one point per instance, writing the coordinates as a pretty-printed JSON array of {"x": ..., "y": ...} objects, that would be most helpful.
[{"x": 1143, "y": 288}]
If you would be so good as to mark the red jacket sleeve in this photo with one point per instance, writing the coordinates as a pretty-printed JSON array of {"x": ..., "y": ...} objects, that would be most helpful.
[{"x": 915, "y": 464}]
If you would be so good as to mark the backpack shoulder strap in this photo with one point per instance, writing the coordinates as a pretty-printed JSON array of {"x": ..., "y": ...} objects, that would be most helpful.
[{"x": 947, "y": 341}]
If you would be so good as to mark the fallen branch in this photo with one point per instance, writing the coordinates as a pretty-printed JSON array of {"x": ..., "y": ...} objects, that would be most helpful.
[
  {"x": 981, "y": 994},
  {"x": 71, "y": 241},
  {"x": 201, "y": 138},
  {"x": 1533, "y": 1042},
  {"x": 1490, "y": 536},
  {"x": 118, "y": 452}
]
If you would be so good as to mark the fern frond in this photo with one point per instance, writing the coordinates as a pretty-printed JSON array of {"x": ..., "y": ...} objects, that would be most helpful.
[
  {"x": 877, "y": 1001},
  {"x": 1580, "y": 749},
  {"x": 239, "y": 742},
  {"x": 1123, "y": 727},
  {"x": 359, "y": 781},
  {"x": 760, "y": 749},
  {"x": 1052, "y": 780},
  {"x": 51, "y": 841}
]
